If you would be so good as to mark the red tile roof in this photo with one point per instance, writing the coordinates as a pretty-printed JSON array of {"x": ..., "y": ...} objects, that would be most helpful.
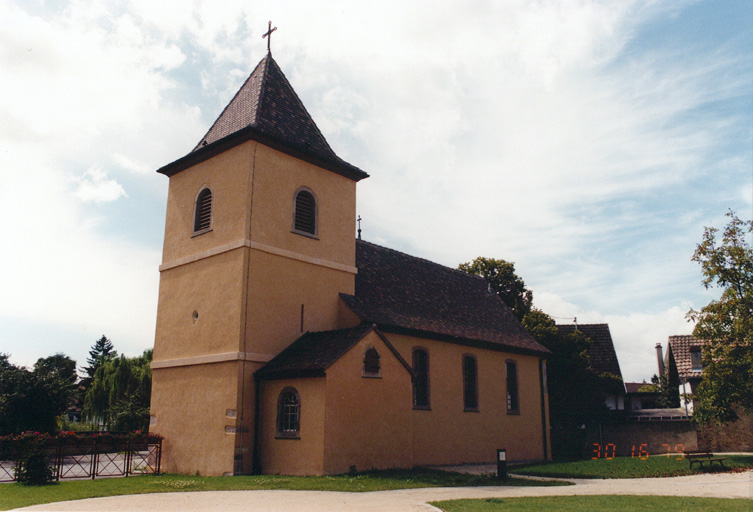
[
  {"x": 405, "y": 294},
  {"x": 679, "y": 349}
]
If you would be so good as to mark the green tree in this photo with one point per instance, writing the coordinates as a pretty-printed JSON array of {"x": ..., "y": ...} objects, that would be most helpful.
[
  {"x": 576, "y": 392},
  {"x": 726, "y": 325},
  {"x": 102, "y": 350},
  {"x": 32, "y": 400},
  {"x": 120, "y": 392},
  {"x": 503, "y": 280}
]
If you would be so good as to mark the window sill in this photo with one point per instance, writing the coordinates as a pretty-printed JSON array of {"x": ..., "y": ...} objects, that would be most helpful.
[
  {"x": 422, "y": 408},
  {"x": 372, "y": 375},
  {"x": 201, "y": 232},
  {"x": 293, "y": 437},
  {"x": 475, "y": 409},
  {"x": 304, "y": 233},
  {"x": 514, "y": 413}
]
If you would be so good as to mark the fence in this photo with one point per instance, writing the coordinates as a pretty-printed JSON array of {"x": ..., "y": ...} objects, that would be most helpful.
[{"x": 83, "y": 455}]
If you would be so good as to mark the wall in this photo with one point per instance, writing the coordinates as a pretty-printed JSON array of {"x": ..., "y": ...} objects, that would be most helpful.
[
  {"x": 731, "y": 437},
  {"x": 640, "y": 439},
  {"x": 368, "y": 420},
  {"x": 447, "y": 434},
  {"x": 304, "y": 456}
]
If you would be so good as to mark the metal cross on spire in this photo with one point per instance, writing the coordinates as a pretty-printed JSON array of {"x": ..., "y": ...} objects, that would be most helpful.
[{"x": 268, "y": 34}]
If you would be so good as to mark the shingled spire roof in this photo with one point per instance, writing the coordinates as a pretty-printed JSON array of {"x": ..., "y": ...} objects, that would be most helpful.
[{"x": 267, "y": 109}]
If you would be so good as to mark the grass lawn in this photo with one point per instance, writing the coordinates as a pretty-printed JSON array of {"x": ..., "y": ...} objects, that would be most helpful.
[
  {"x": 15, "y": 495},
  {"x": 625, "y": 467},
  {"x": 611, "y": 503}
]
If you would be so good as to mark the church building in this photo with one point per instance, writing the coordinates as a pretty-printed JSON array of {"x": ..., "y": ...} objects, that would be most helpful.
[{"x": 285, "y": 344}]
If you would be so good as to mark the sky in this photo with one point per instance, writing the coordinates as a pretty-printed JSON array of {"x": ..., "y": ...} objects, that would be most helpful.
[{"x": 588, "y": 142}]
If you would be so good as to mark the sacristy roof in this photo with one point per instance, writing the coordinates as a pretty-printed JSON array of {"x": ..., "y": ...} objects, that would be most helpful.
[
  {"x": 310, "y": 355},
  {"x": 409, "y": 295},
  {"x": 267, "y": 109}
]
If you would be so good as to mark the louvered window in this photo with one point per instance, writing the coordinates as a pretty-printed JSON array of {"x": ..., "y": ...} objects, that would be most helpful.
[
  {"x": 203, "y": 217},
  {"x": 470, "y": 383},
  {"x": 305, "y": 213}
]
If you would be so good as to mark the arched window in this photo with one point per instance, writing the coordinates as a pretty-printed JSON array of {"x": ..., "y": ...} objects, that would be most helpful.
[
  {"x": 371, "y": 363},
  {"x": 203, "y": 214},
  {"x": 470, "y": 383},
  {"x": 421, "y": 379},
  {"x": 304, "y": 214},
  {"x": 513, "y": 401},
  {"x": 289, "y": 413}
]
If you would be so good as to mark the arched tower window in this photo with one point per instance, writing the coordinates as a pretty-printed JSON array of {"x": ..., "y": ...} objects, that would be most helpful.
[
  {"x": 203, "y": 215},
  {"x": 289, "y": 413},
  {"x": 304, "y": 212},
  {"x": 371, "y": 363}
]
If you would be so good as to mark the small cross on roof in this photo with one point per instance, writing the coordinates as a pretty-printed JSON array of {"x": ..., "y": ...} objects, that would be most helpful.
[{"x": 268, "y": 34}]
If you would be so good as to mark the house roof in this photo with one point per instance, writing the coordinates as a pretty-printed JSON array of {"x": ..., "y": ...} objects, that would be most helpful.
[
  {"x": 314, "y": 352},
  {"x": 635, "y": 387},
  {"x": 409, "y": 295},
  {"x": 601, "y": 354},
  {"x": 679, "y": 348},
  {"x": 267, "y": 109}
]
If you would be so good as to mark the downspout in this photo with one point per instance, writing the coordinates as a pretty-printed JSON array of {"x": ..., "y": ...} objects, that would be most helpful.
[
  {"x": 256, "y": 469},
  {"x": 542, "y": 388}
]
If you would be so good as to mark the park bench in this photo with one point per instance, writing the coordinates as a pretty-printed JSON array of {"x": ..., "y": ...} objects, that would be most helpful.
[{"x": 701, "y": 457}]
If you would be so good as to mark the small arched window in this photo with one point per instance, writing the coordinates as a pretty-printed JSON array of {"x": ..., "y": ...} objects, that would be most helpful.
[
  {"x": 203, "y": 215},
  {"x": 289, "y": 413},
  {"x": 304, "y": 214},
  {"x": 371, "y": 363}
]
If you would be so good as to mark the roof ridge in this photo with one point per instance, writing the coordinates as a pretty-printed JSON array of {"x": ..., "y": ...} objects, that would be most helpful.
[
  {"x": 300, "y": 103},
  {"x": 202, "y": 141},
  {"x": 421, "y": 259}
]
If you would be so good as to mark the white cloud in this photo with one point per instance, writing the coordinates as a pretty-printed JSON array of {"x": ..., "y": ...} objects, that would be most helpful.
[{"x": 94, "y": 186}]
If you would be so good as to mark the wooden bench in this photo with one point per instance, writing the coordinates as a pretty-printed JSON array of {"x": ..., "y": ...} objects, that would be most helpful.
[{"x": 701, "y": 457}]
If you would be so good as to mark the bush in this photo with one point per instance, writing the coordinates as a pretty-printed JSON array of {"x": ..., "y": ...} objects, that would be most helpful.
[{"x": 34, "y": 468}]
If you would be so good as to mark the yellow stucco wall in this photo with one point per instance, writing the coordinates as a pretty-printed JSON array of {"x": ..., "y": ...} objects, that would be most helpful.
[
  {"x": 302, "y": 456},
  {"x": 474, "y": 436},
  {"x": 190, "y": 410},
  {"x": 368, "y": 420}
]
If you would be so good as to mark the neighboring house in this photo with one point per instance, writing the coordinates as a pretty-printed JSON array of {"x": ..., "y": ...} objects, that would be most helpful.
[
  {"x": 285, "y": 345},
  {"x": 683, "y": 363},
  {"x": 602, "y": 359},
  {"x": 638, "y": 398}
]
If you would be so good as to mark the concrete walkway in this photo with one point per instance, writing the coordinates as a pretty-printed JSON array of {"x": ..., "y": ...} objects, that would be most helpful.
[{"x": 714, "y": 485}]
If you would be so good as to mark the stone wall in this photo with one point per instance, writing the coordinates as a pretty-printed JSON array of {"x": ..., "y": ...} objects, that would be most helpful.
[{"x": 641, "y": 439}]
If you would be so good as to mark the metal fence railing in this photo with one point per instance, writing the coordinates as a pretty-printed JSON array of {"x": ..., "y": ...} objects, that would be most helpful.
[{"x": 83, "y": 455}]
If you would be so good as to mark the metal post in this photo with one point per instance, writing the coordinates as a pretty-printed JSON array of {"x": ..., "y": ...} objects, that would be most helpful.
[{"x": 502, "y": 464}]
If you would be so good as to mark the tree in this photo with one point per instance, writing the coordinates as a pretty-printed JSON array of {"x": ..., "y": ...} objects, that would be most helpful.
[
  {"x": 576, "y": 392},
  {"x": 102, "y": 350},
  {"x": 500, "y": 275},
  {"x": 32, "y": 400},
  {"x": 120, "y": 393},
  {"x": 725, "y": 326}
]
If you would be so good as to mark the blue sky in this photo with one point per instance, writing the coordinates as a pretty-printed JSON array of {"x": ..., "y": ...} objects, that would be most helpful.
[{"x": 588, "y": 142}]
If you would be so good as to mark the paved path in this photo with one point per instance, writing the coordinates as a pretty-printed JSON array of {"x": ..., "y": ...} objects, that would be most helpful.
[{"x": 719, "y": 485}]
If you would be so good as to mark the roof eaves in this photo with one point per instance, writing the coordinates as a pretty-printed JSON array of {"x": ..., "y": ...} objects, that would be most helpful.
[{"x": 342, "y": 167}]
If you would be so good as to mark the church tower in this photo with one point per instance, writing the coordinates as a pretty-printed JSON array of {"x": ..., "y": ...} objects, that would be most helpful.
[{"x": 259, "y": 243}]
